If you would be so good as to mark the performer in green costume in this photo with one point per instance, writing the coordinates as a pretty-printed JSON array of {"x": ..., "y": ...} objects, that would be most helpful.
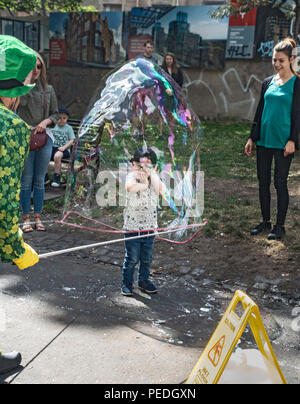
[{"x": 16, "y": 63}]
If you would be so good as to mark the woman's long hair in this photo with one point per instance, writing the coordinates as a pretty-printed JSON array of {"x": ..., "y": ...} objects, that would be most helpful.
[
  {"x": 174, "y": 66},
  {"x": 43, "y": 75}
]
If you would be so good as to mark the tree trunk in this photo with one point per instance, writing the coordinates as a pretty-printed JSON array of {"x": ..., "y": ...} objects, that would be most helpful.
[
  {"x": 43, "y": 6},
  {"x": 297, "y": 22}
]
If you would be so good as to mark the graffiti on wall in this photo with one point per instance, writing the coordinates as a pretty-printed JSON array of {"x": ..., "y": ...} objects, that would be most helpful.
[
  {"x": 226, "y": 95},
  {"x": 272, "y": 26},
  {"x": 265, "y": 49},
  {"x": 231, "y": 93}
]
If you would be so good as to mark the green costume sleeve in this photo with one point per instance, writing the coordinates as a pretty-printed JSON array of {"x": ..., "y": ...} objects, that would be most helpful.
[{"x": 14, "y": 146}]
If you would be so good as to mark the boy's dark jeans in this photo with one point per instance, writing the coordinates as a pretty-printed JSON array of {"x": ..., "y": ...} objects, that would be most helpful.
[
  {"x": 282, "y": 167},
  {"x": 140, "y": 252}
]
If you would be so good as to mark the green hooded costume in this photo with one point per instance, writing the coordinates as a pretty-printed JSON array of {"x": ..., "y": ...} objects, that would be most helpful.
[{"x": 16, "y": 62}]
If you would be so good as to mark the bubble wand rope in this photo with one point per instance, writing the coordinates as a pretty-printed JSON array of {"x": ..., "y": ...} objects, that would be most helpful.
[
  {"x": 103, "y": 243},
  {"x": 114, "y": 230}
]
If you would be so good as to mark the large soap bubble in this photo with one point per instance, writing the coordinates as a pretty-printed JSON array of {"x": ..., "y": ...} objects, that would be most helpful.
[{"x": 138, "y": 107}]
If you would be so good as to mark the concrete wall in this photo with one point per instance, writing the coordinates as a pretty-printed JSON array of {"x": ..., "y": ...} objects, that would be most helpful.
[
  {"x": 75, "y": 87},
  {"x": 232, "y": 92}
]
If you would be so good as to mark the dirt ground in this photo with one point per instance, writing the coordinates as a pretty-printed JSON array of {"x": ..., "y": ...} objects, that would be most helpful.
[{"x": 272, "y": 266}]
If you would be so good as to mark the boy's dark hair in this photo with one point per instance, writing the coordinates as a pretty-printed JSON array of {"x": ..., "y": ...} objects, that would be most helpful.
[
  {"x": 140, "y": 153},
  {"x": 63, "y": 111}
]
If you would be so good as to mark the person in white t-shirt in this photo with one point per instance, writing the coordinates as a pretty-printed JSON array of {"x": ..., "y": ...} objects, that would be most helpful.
[{"x": 63, "y": 139}]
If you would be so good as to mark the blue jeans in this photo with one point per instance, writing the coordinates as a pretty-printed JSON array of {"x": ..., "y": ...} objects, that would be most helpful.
[
  {"x": 140, "y": 252},
  {"x": 33, "y": 177}
]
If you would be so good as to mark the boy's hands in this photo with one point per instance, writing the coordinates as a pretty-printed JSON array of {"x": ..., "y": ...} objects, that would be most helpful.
[
  {"x": 143, "y": 177},
  {"x": 29, "y": 259}
]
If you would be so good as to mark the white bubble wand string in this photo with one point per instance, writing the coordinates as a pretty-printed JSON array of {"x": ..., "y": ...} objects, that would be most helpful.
[{"x": 104, "y": 243}]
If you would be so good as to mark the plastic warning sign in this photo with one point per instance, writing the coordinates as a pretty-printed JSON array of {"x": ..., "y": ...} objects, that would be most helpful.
[
  {"x": 216, "y": 355},
  {"x": 216, "y": 352}
]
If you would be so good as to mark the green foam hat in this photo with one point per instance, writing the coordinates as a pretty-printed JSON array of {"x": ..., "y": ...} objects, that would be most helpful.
[{"x": 16, "y": 62}]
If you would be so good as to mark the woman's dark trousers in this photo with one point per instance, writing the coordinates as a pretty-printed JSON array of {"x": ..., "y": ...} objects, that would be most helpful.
[{"x": 265, "y": 158}]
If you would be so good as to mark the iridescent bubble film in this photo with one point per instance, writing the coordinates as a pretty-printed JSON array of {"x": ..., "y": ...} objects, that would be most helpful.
[{"x": 137, "y": 107}]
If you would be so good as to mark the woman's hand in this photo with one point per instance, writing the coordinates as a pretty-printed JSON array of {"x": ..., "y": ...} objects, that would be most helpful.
[
  {"x": 249, "y": 148},
  {"x": 42, "y": 126},
  {"x": 290, "y": 148}
]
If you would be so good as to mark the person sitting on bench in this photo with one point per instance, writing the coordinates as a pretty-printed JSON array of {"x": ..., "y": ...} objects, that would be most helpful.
[{"x": 63, "y": 140}]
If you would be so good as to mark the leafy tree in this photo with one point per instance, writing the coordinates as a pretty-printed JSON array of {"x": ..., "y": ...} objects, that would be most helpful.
[
  {"x": 290, "y": 8},
  {"x": 42, "y": 7}
]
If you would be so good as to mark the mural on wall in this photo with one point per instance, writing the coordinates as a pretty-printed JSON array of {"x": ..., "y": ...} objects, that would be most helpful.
[
  {"x": 213, "y": 87},
  {"x": 107, "y": 39},
  {"x": 241, "y": 34},
  {"x": 272, "y": 27},
  {"x": 188, "y": 32},
  {"x": 91, "y": 39}
]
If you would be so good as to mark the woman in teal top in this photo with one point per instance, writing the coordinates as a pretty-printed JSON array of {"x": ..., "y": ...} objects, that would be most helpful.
[
  {"x": 275, "y": 131},
  {"x": 276, "y": 119}
]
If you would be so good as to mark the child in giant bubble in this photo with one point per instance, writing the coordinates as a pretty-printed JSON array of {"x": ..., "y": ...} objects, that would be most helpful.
[{"x": 143, "y": 187}]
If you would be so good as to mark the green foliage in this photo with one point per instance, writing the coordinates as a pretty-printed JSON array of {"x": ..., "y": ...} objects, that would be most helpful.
[
  {"x": 42, "y": 7},
  {"x": 288, "y": 7}
]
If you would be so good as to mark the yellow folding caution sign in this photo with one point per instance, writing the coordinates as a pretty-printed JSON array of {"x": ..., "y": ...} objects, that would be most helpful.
[{"x": 218, "y": 351}]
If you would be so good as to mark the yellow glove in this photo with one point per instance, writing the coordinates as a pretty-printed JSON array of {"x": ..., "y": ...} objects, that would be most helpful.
[{"x": 29, "y": 259}]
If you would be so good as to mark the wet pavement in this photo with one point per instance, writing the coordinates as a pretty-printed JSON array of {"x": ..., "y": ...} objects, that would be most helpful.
[{"x": 72, "y": 325}]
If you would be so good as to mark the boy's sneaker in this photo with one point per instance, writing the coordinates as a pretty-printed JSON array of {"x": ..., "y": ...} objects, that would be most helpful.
[
  {"x": 277, "y": 233},
  {"x": 56, "y": 181},
  {"x": 147, "y": 286},
  {"x": 126, "y": 290}
]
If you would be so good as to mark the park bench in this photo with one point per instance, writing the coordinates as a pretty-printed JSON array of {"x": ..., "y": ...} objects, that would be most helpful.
[{"x": 75, "y": 123}]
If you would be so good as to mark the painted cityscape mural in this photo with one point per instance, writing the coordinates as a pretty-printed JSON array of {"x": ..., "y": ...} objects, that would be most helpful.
[{"x": 107, "y": 39}]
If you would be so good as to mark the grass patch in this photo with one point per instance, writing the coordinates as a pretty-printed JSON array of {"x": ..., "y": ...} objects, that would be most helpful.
[
  {"x": 232, "y": 217},
  {"x": 54, "y": 205},
  {"x": 222, "y": 151},
  {"x": 228, "y": 217}
]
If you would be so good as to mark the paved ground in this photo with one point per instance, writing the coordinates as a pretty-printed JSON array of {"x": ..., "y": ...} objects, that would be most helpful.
[{"x": 71, "y": 324}]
